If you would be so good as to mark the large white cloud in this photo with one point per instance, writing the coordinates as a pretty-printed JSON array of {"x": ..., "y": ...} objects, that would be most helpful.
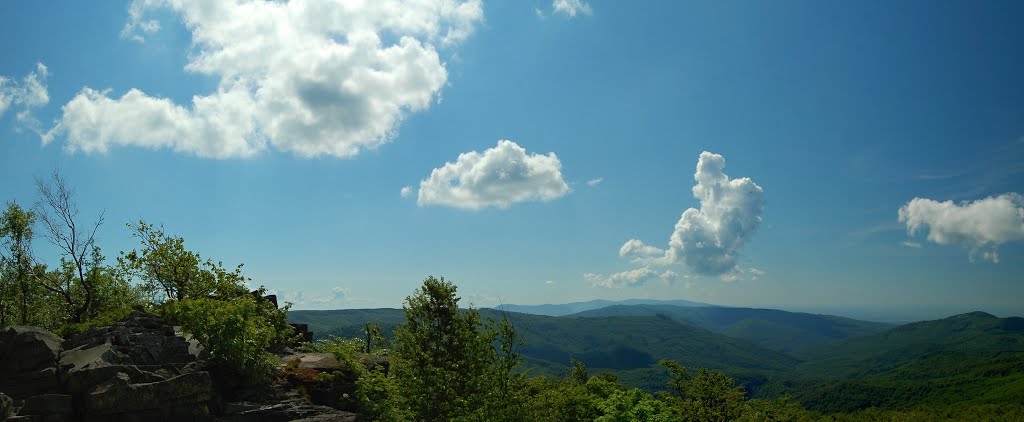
[
  {"x": 25, "y": 95},
  {"x": 498, "y": 177},
  {"x": 311, "y": 77},
  {"x": 980, "y": 226},
  {"x": 708, "y": 239}
]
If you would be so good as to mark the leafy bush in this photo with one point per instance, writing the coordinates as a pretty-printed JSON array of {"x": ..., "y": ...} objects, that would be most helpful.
[{"x": 234, "y": 333}]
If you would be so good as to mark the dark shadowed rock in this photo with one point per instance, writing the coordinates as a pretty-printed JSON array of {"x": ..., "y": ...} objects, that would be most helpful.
[
  {"x": 120, "y": 395},
  {"x": 24, "y": 349},
  {"x": 28, "y": 360},
  {"x": 140, "y": 339},
  {"x": 6, "y": 407},
  {"x": 48, "y": 404}
]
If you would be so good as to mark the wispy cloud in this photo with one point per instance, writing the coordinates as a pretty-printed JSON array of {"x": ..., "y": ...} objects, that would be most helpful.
[
  {"x": 571, "y": 8},
  {"x": 25, "y": 95},
  {"x": 595, "y": 182}
]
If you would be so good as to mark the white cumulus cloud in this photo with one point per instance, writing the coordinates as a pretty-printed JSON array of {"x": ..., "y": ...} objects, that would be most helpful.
[
  {"x": 571, "y": 8},
  {"x": 708, "y": 239},
  {"x": 309, "y": 77},
  {"x": 406, "y": 191},
  {"x": 498, "y": 177},
  {"x": 25, "y": 95},
  {"x": 980, "y": 226},
  {"x": 595, "y": 182}
]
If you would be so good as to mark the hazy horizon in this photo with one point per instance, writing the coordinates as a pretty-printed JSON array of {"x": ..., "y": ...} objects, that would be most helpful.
[{"x": 862, "y": 157}]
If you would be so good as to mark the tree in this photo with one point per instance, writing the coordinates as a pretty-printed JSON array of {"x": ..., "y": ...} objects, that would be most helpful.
[
  {"x": 708, "y": 396},
  {"x": 447, "y": 362},
  {"x": 168, "y": 271},
  {"x": 16, "y": 230},
  {"x": 58, "y": 212},
  {"x": 236, "y": 327}
]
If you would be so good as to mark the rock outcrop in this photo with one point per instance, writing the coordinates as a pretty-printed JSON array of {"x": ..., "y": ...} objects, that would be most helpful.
[{"x": 139, "y": 369}]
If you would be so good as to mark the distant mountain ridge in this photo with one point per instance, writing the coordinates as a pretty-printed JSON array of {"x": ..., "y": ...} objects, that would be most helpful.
[
  {"x": 577, "y": 307},
  {"x": 783, "y": 331},
  {"x": 828, "y": 363}
]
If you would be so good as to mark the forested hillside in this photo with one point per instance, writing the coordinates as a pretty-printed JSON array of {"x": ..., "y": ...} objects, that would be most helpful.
[
  {"x": 788, "y": 332},
  {"x": 958, "y": 367}
]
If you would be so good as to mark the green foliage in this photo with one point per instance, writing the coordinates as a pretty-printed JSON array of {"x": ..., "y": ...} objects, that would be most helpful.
[
  {"x": 235, "y": 333},
  {"x": 782, "y": 331},
  {"x": 447, "y": 361},
  {"x": 346, "y": 350},
  {"x": 707, "y": 396},
  {"x": 634, "y": 405},
  {"x": 18, "y": 292},
  {"x": 380, "y": 398},
  {"x": 168, "y": 271}
]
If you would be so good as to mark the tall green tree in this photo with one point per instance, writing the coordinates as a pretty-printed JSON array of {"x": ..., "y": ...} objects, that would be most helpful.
[
  {"x": 446, "y": 360},
  {"x": 708, "y": 396},
  {"x": 16, "y": 226}
]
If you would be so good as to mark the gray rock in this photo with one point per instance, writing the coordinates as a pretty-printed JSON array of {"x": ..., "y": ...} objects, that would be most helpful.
[
  {"x": 47, "y": 404},
  {"x": 6, "y": 407},
  {"x": 27, "y": 384},
  {"x": 120, "y": 395},
  {"x": 25, "y": 349},
  {"x": 141, "y": 339},
  {"x": 324, "y": 362},
  {"x": 292, "y": 411}
]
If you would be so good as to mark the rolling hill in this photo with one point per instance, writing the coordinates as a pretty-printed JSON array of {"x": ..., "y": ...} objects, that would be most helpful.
[
  {"x": 629, "y": 346},
  {"x": 836, "y": 364},
  {"x": 782, "y": 331},
  {"x": 576, "y": 307},
  {"x": 974, "y": 357}
]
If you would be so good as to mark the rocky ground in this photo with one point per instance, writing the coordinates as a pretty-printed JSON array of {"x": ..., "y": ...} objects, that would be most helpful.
[{"x": 141, "y": 369}]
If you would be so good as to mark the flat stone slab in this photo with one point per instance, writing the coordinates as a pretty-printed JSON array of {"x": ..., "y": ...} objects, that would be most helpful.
[{"x": 319, "y": 361}]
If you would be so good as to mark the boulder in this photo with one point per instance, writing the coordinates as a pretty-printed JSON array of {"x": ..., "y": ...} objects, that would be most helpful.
[
  {"x": 28, "y": 360},
  {"x": 120, "y": 395},
  {"x": 140, "y": 339},
  {"x": 47, "y": 404},
  {"x": 324, "y": 362},
  {"x": 27, "y": 384}
]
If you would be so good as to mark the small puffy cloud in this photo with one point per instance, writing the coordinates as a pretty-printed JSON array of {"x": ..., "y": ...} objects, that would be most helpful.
[
  {"x": 25, "y": 95},
  {"x": 549, "y": 283},
  {"x": 341, "y": 293},
  {"x": 571, "y": 8},
  {"x": 708, "y": 239},
  {"x": 595, "y": 182},
  {"x": 313, "y": 78},
  {"x": 979, "y": 226},
  {"x": 406, "y": 191},
  {"x": 631, "y": 278},
  {"x": 498, "y": 177},
  {"x": 912, "y": 245}
]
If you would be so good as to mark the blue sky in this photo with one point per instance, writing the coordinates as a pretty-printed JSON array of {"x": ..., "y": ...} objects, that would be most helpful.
[{"x": 282, "y": 136}]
